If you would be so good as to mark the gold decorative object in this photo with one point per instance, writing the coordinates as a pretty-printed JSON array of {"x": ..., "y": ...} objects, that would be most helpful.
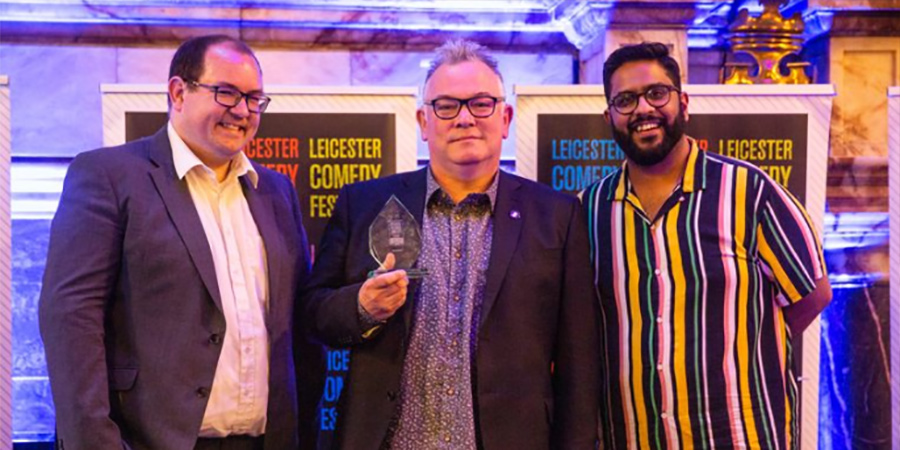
[{"x": 768, "y": 39}]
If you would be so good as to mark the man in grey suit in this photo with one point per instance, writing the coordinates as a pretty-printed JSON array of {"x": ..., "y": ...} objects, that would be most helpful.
[{"x": 168, "y": 301}]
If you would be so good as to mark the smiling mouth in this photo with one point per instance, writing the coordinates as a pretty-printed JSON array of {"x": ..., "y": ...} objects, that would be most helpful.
[{"x": 233, "y": 127}]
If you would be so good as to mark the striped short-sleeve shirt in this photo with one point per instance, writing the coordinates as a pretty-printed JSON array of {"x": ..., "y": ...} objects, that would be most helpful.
[{"x": 697, "y": 352}]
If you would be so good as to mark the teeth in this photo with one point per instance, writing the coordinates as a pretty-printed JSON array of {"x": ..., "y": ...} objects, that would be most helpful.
[
  {"x": 231, "y": 126},
  {"x": 646, "y": 126}
]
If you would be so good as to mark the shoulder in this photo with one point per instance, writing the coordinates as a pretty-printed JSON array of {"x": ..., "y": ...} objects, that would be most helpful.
[
  {"x": 121, "y": 159},
  {"x": 602, "y": 187},
  {"x": 271, "y": 179},
  {"x": 536, "y": 192},
  {"x": 387, "y": 182},
  {"x": 718, "y": 163}
]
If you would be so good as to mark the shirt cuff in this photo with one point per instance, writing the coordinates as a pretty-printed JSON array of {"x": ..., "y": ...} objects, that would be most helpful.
[{"x": 367, "y": 323}]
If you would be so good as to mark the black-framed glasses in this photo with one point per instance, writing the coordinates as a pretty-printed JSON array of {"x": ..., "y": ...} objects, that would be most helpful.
[
  {"x": 231, "y": 97},
  {"x": 657, "y": 96},
  {"x": 481, "y": 107}
]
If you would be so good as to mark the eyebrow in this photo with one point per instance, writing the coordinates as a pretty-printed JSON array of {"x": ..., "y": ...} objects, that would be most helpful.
[
  {"x": 231, "y": 86},
  {"x": 645, "y": 89},
  {"x": 477, "y": 94}
]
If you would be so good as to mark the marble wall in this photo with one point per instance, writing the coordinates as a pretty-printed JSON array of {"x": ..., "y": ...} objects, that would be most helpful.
[
  {"x": 854, "y": 376},
  {"x": 55, "y": 89}
]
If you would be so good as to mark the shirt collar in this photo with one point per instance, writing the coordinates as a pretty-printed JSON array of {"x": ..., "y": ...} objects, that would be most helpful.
[
  {"x": 432, "y": 186},
  {"x": 185, "y": 160},
  {"x": 694, "y": 174}
]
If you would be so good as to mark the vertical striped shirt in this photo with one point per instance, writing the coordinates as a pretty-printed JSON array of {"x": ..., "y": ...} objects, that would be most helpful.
[{"x": 696, "y": 349}]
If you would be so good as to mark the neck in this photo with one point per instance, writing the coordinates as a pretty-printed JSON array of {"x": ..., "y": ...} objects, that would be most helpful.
[
  {"x": 663, "y": 176},
  {"x": 460, "y": 185},
  {"x": 219, "y": 166}
]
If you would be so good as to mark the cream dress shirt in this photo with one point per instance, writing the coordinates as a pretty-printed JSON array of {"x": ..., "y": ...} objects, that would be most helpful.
[{"x": 240, "y": 390}]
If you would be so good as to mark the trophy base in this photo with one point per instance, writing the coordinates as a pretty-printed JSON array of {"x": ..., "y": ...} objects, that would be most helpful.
[{"x": 410, "y": 273}]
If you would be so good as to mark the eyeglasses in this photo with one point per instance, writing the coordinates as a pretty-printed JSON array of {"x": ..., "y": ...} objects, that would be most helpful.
[
  {"x": 448, "y": 107},
  {"x": 230, "y": 97},
  {"x": 657, "y": 96}
]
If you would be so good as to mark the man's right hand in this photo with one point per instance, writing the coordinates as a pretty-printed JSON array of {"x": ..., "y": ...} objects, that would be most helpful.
[{"x": 382, "y": 295}]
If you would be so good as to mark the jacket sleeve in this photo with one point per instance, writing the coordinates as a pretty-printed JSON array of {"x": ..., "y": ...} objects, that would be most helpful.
[
  {"x": 330, "y": 298},
  {"x": 80, "y": 277},
  {"x": 576, "y": 362}
]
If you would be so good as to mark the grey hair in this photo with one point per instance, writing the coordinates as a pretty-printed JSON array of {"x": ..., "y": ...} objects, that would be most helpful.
[{"x": 460, "y": 50}]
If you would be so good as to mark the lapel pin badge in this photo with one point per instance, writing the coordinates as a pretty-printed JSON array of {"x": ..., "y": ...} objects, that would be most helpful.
[{"x": 515, "y": 215}]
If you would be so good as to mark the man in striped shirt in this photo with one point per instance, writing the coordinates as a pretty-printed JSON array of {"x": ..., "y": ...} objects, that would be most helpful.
[{"x": 706, "y": 269}]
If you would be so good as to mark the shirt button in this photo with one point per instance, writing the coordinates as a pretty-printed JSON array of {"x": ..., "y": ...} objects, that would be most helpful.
[
  {"x": 659, "y": 320},
  {"x": 447, "y": 438},
  {"x": 656, "y": 271},
  {"x": 659, "y": 367},
  {"x": 681, "y": 199},
  {"x": 456, "y": 297},
  {"x": 458, "y": 255},
  {"x": 202, "y": 392},
  {"x": 215, "y": 339},
  {"x": 458, "y": 217},
  {"x": 664, "y": 415},
  {"x": 455, "y": 343},
  {"x": 450, "y": 391}
]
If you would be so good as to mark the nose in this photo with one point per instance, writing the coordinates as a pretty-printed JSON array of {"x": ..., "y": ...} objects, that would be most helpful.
[
  {"x": 643, "y": 105},
  {"x": 465, "y": 118},
  {"x": 242, "y": 109}
]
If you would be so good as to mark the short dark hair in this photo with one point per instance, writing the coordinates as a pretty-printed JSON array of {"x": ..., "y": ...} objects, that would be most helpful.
[
  {"x": 188, "y": 60},
  {"x": 645, "y": 51}
]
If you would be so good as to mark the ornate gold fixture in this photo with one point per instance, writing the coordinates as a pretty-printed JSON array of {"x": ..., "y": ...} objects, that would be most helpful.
[{"x": 768, "y": 39}]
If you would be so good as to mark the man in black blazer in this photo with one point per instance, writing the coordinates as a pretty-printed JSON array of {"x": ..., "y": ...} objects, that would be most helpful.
[
  {"x": 495, "y": 348},
  {"x": 171, "y": 280}
]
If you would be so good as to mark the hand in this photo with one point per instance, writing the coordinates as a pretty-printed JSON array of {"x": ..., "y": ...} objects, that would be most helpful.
[{"x": 382, "y": 295}]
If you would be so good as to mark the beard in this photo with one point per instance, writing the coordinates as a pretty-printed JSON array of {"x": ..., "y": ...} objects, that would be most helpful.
[{"x": 646, "y": 157}]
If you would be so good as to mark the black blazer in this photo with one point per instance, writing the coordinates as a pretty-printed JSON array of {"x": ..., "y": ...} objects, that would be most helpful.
[
  {"x": 537, "y": 361},
  {"x": 130, "y": 311}
]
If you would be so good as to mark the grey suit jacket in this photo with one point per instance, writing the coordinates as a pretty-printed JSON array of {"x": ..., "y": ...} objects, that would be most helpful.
[
  {"x": 536, "y": 368},
  {"x": 130, "y": 311}
]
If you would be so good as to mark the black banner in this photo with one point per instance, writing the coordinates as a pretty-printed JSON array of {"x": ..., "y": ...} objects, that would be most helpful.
[{"x": 574, "y": 150}]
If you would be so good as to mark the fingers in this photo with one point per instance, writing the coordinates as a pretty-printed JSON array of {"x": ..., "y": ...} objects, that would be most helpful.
[
  {"x": 390, "y": 278},
  {"x": 389, "y": 262},
  {"x": 382, "y": 295}
]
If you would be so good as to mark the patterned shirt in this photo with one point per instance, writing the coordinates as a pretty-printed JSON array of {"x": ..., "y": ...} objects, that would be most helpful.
[
  {"x": 436, "y": 393},
  {"x": 697, "y": 352}
]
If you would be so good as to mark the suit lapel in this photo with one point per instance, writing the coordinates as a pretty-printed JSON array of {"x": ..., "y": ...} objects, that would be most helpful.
[
  {"x": 260, "y": 202},
  {"x": 178, "y": 202},
  {"x": 507, "y": 228},
  {"x": 413, "y": 197}
]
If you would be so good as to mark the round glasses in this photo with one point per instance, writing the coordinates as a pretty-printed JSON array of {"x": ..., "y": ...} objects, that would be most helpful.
[
  {"x": 231, "y": 97},
  {"x": 448, "y": 107},
  {"x": 657, "y": 96}
]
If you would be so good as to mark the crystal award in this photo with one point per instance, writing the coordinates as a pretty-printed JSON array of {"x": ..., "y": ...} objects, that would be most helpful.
[{"x": 396, "y": 231}]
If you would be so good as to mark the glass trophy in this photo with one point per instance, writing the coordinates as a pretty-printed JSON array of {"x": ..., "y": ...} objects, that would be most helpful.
[{"x": 396, "y": 231}]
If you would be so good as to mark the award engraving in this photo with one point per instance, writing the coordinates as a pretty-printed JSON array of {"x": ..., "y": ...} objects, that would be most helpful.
[{"x": 396, "y": 231}]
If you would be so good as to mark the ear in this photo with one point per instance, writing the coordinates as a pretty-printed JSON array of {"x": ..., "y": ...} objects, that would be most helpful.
[
  {"x": 606, "y": 117},
  {"x": 177, "y": 87},
  {"x": 507, "y": 118},
  {"x": 420, "y": 118},
  {"x": 683, "y": 98}
]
